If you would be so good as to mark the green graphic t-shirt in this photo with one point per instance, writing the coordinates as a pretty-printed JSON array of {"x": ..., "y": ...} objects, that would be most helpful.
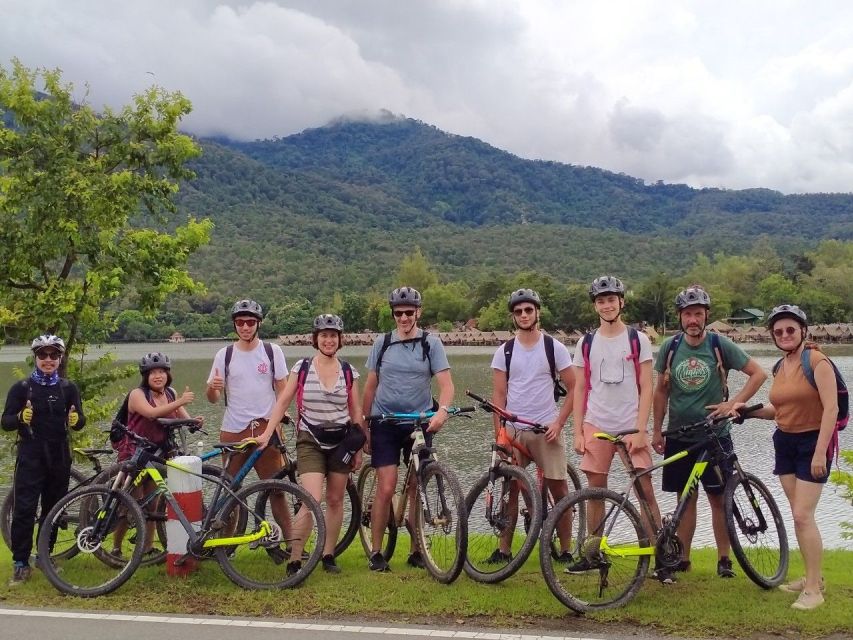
[{"x": 694, "y": 380}]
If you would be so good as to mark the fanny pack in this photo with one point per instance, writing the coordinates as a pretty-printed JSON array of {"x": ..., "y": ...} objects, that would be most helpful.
[{"x": 328, "y": 435}]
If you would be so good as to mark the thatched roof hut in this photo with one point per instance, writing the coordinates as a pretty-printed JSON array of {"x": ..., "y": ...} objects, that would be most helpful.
[{"x": 718, "y": 326}]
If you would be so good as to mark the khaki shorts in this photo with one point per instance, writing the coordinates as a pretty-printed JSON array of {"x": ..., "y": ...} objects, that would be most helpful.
[
  {"x": 313, "y": 459},
  {"x": 548, "y": 456},
  {"x": 271, "y": 460},
  {"x": 598, "y": 454}
]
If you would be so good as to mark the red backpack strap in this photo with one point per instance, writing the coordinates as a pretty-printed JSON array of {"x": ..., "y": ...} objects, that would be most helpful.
[
  {"x": 301, "y": 376},
  {"x": 634, "y": 341},
  {"x": 586, "y": 347},
  {"x": 346, "y": 369}
]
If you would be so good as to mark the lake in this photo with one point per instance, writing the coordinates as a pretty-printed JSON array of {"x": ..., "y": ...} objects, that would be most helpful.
[{"x": 465, "y": 444}]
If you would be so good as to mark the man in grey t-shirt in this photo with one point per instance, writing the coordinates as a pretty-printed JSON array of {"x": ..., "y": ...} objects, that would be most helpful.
[{"x": 400, "y": 368}]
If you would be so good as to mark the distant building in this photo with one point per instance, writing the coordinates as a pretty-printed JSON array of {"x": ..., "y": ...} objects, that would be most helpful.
[
  {"x": 748, "y": 316},
  {"x": 177, "y": 337}
]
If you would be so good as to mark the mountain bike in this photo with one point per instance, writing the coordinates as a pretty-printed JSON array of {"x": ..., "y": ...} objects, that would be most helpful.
[
  {"x": 617, "y": 546},
  {"x": 440, "y": 519},
  {"x": 247, "y": 546},
  {"x": 494, "y": 509}
]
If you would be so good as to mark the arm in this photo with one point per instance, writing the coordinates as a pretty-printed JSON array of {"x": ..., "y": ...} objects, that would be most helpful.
[
  {"x": 355, "y": 412},
  {"x": 660, "y": 401},
  {"x": 499, "y": 390},
  {"x": 367, "y": 404},
  {"x": 640, "y": 440},
  {"x": 567, "y": 377},
  {"x": 140, "y": 405},
  {"x": 215, "y": 386},
  {"x": 579, "y": 393},
  {"x": 757, "y": 376},
  {"x": 445, "y": 398},
  {"x": 281, "y": 404},
  {"x": 76, "y": 406},
  {"x": 15, "y": 401},
  {"x": 824, "y": 377}
]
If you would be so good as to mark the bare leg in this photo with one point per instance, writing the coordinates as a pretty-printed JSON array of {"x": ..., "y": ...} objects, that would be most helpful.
[
  {"x": 386, "y": 483},
  {"x": 560, "y": 489}
]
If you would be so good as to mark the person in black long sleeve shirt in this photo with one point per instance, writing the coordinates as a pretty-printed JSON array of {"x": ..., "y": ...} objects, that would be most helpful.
[{"x": 41, "y": 408}]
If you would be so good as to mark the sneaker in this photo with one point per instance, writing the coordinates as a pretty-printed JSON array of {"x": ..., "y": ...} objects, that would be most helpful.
[
  {"x": 664, "y": 576},
  {"x": 377, "y": 562},
  {"x": 294, "y": 567},
  {"x": 565, "y": 557},
  {"x": 20, "y": 575},
  {"x": 798, "y": 585},
  {"x": 329, "y": 564},
  {"x": 581, "y": 566},
  {"x": 724, "y": 568},
  {"x": 499, "y": 557},
  {"x": 808, "y": 601},
  {"x": 416, "y": 560}
]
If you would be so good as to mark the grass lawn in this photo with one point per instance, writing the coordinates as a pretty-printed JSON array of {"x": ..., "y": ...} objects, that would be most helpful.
[{"x": 707, "y": 606}]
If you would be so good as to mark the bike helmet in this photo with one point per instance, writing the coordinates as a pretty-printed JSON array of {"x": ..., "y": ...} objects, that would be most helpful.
[
  {"x": 48, "y": 340},
  {"x": 787, "y": 311},
  {"x": 154, "y": 360},
  {"x": 606, "y": 284},
  {"x": 523, "y": 295},
  {"x": 405, "y": 296},
  {"x": 247, "y": 308},
  {"x": 692, "y": 295},
  {"x": 328, "y": 321}
]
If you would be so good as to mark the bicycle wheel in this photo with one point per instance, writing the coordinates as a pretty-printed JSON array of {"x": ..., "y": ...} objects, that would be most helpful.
[
  {"x": 578, "y": 512},
  {"x": 756, "y": 530},
  {"x": 492, "y": 516},
  {"x": 599, "y": 579},
  {"x": 86, "y": 520},
  {"x": 442, "y": 523},
  {"x": 269, "y": 563},
  {"x": 7, "y": 510},
  {"x": 366, "y": 490}
]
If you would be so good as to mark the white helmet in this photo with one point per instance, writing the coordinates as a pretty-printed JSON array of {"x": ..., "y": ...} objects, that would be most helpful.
[{"x": 48, "y": 340}]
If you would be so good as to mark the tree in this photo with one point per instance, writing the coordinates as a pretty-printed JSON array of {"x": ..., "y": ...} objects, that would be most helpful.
[
  {"x": 416, "y": 272},
  {"x": 85, "y": 213},
  {"x": 446, "y": 303}
]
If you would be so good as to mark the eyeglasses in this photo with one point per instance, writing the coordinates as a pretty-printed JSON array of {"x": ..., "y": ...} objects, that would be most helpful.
[
  {"x": 49, "y": 355},
  {"x": 408, "y": 313},
  {"x": 787, "y": 331},
  {"x": 524, "y": 311},
  {"x": 245, "y": 322}
]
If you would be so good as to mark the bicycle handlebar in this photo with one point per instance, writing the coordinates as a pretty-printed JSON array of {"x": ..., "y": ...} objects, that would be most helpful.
[
  {"x": 490, "y": 407},
  {"x": 193, "y": 425},
  {"x": 423, "y": 415},
  {"x": 709, "y": 421}
]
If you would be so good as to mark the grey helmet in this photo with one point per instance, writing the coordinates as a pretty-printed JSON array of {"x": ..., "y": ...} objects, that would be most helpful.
[
  {"x": 328, "y": 322},
  {"x": 692, "y": 295},
  {"x": 787, "y": 311},
  {"x": 48, "y": 340},
  {"x": 247, "y": 308},
  {"x": 155, "y": 360},
  {"x": 523, "y": 295},
  {"x": 404, "y": 296},
  {"x": 606, "y": 284}
]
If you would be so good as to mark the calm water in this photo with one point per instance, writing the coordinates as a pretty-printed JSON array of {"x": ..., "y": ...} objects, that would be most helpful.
[{"x": 465, "y": 443}]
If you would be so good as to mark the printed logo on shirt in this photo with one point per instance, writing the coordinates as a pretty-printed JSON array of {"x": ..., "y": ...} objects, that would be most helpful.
[
  {"x": 263, "y": 368},
  {"x": 692, "y": 374}
]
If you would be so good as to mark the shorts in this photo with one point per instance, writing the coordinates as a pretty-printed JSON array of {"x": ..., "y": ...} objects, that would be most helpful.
[
  {"x": 675, "y": 474},
  {"x": 794, "y": 453},
  {"x": 313, "y": 459},
  {"x": 271, "y": 460},
  {"x": 548, "y": 456},
  {"x": 598, "y": 454},
  {"x": 388, "y": 439}
]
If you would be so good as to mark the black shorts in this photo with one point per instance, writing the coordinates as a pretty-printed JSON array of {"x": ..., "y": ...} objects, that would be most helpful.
[
  {"x": 675, "y": 474},
  {"x": 794, "y": 453},
  {"x": 388, "y": 439}
]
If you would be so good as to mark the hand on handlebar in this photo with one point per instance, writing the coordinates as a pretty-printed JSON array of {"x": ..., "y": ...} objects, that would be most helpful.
[
  {"x": 724, "y": 409},
  {"x": 437, "y": 421}
]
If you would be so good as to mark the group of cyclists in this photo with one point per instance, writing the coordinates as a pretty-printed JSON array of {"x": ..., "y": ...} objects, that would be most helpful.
[{"x": 607, "y": 386}]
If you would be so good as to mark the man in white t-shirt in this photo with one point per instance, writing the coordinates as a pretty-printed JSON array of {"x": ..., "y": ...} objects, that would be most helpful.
[
  {"x": 249, "y": 374},
  {"x": 522, "y": 382},
  {"x": 613, "y": 395}
]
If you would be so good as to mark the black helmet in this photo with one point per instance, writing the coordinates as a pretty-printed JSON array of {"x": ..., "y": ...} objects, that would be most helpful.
[
  {"x": 404, "y": 296},
  {"x": 606, "y": 284},
  {"x": 154, "y": 360},
  {"x": 787, "y": 311},
  {"x": 48, "y": 340},
  {"x": 328, "y": 321},
  {"x": 247, "y": 308},
  {"x": 523, "y": 295},
  {"x": 692, "y": 295}
]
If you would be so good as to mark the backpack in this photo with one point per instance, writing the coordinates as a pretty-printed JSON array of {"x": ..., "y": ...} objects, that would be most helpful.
[
  {"x": 386, "y": 342},
  {"x": 586, "y": 347},
  {"x": 841, "y": 389},
  {"x": 559, "y": 389},
  {"x": 229, "y": 353},
  {"x": 716, "y": 349},
  {"x": 117, "y": 435}
]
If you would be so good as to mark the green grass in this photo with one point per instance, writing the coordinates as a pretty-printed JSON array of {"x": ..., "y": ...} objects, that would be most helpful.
[{"x": 707, "y": 606}]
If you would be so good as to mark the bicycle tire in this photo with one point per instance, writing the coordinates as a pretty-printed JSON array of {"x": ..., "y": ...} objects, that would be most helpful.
[
  {"x": 264, "y": 564},
  {"x": 597, "y": 589},
  {"x": 765, "y": 564},
  {"x": 579, "y": 513},
  {"x": 443, "y": 542},
  {"x": 488, "y": 520},
  {"x": 366, "y": 490},
  {"x": 83, "y": 574},
  {"x": 7, "y": 510}
]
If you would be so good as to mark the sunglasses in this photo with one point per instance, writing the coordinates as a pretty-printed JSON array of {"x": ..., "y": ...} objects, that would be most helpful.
[
  {"x": 524, "y": 311},
  {"x": 49, "y": 355},
  {"x": 408, "y": 313},
  {"x": 245, "y": 322},
  {"x": 787, "y": 331}
]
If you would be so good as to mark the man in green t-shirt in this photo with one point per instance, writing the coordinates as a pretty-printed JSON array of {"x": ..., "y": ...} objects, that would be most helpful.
[{"x": 692, "y": 381}]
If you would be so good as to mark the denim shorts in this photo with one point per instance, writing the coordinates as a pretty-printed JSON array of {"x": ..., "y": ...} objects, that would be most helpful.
[{"x": 794, "y": 453}]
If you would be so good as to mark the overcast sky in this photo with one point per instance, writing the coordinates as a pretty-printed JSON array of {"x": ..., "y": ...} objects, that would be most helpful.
[{"x": 729, "y": 94}]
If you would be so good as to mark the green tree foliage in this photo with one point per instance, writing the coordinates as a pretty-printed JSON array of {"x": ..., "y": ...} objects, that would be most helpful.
[
  {"x": 446, "y": 303},
  {"x": 416, "y": 271}
]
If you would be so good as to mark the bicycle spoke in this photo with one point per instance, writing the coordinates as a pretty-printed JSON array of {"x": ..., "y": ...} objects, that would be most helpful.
[{"x": 442, "y": 523}]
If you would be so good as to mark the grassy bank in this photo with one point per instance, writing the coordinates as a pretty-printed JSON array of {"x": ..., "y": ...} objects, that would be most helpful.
[{"x": 707, "y": 606}]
